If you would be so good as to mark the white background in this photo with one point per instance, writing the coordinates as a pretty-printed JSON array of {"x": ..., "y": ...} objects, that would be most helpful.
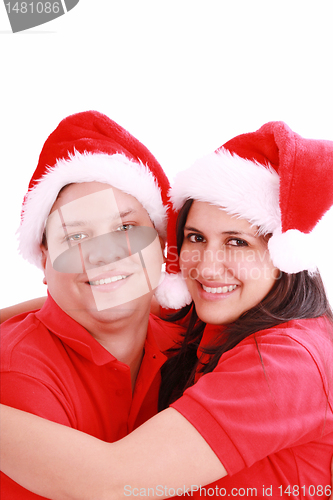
[{"x": 181, "y": 76}]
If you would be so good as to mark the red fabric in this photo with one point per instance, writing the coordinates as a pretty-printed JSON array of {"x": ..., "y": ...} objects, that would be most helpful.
[
  {"x": 269, "y": 420},
  {"x": 52, "y": 367},
  {"x": 94, "y": 132},
  {"x": 304, "y": 167}
]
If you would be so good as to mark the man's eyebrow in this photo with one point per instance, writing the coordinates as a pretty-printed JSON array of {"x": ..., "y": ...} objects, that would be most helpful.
[
  {"x": 127, "y": 212},
  {"x": 75, "y": 223},
  {"x": 84, "y": 222}
]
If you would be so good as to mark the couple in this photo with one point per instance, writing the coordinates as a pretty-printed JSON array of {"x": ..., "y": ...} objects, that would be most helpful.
[{"x": 244, "y": 396}]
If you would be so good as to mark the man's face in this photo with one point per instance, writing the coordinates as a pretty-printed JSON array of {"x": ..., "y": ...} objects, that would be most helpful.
[{"x": 103, "y": 257}]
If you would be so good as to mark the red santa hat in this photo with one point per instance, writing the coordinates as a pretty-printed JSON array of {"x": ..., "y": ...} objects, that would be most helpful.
[
  {"x": 87, "y": 147},
  {"x": 276, "y": 180}
]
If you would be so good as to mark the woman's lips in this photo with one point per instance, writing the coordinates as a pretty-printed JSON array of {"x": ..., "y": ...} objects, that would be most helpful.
[
  {"x": 215, "y": 291},
  {"x": 219, "y": 289}
]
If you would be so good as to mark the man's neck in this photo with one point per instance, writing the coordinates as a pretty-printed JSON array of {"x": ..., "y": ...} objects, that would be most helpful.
[{"x": 124, "y": 339}]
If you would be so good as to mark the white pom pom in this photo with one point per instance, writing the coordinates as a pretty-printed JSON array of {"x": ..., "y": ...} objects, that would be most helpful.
[
  {"x": 293, "y": 251},
  {"x": 172, "y": 292}
]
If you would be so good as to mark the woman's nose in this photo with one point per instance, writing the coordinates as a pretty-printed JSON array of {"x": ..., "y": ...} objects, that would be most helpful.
[
  {"x": 212, "y": 264},
  {"x": 105, "y": 249}
]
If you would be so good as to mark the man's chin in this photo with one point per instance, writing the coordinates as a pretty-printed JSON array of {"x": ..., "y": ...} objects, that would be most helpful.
[
  {"x": 113, "y": 313},
  {"x": 138, "y": 306},
  {"x": 91, "y": 312}
]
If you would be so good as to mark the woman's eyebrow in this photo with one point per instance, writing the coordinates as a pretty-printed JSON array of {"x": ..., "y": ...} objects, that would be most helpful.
[
  {"x": 231, "y": 233},
  {"x": 189, "y": 228},
  {"x": 239, "y": 233}
]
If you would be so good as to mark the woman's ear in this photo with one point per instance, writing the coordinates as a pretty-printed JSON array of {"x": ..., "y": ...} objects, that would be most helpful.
[{"x": 162, "y": 243}]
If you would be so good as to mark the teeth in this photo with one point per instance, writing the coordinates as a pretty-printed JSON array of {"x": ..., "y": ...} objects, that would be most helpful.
[
  {"x": 220, "y": 289},
  {"x": 107, "y": 280}
]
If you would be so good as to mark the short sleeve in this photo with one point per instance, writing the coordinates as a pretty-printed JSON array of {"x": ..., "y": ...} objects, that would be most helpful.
[
  {"x": 35, "y": 396},
  {"x": 261, "y": 398}
]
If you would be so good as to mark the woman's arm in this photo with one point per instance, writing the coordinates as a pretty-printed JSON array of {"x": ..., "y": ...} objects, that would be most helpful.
[
  {"x": 29, "y": 305},
  {"x": 166, "y": 454}
]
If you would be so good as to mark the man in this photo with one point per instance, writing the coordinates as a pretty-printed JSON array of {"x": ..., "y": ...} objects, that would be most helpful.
[{"x": 94, "y": 220}]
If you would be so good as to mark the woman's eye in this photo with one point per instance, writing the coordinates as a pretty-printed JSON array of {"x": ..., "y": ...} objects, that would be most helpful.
[
  {"x": 125, "y": 227},
  {"x": 237, "y": 242},
  {"x": 195, "y": 238}
]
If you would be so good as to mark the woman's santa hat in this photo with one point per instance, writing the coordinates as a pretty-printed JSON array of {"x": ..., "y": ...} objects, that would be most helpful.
[
  {"x": 87, "y": 147},
  {"x": 276, "y": 180}
]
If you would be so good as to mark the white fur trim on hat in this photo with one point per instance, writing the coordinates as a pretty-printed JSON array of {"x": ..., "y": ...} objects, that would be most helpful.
[
  {"x": 294, "y": 251},
  {"x": 172, "y": 292},
  {"x": 117, "y": 170},
  {"x": 250, "y": 190},
  {"x": 242, "y": 187}
]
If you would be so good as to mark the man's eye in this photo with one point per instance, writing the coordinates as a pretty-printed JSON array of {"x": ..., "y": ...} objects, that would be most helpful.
[
  {"x": 76, "y": 237},
  {"x": 125, "y": 227}
]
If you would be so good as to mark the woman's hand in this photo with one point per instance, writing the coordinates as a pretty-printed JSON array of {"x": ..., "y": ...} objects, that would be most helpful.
[
  {"x": 29, "y": 305},
  {"x": 33, "y": 304}
]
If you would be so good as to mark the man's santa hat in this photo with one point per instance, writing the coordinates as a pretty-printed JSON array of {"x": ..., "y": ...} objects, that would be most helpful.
[
  {"x": 276, "y": 180},
  {"x": 87, "y": 147}
]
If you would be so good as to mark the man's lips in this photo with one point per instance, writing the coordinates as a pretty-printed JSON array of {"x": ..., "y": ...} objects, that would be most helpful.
[
  {"x": 106, "y": 281},
  {"x": 108, "y": 277}
]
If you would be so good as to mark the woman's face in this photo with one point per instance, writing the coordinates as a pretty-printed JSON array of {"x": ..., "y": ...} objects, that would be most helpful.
[{"x": 226, "y": 265}]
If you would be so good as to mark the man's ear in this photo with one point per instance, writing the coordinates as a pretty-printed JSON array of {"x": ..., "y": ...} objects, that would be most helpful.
[{"x": 44, "y": 255}]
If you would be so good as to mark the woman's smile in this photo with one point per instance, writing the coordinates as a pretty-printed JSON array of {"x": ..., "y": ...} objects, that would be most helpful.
[{"x": 215, "y": 291}]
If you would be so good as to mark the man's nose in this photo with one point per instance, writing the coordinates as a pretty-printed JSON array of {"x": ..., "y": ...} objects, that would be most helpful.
[
  {"x": 93, "y": 252},
  {"x": 106, "y": 249}
]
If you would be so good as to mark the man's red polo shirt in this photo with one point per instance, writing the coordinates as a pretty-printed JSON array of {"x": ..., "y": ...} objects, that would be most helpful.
[{"x": 52, "y": 367}]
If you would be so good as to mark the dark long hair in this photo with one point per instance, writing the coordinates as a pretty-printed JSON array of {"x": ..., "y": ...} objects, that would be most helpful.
[{"x": 293, "y": 296}]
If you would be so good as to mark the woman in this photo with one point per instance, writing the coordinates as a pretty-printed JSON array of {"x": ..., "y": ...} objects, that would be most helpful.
[{"x": 254, "y": 410}]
